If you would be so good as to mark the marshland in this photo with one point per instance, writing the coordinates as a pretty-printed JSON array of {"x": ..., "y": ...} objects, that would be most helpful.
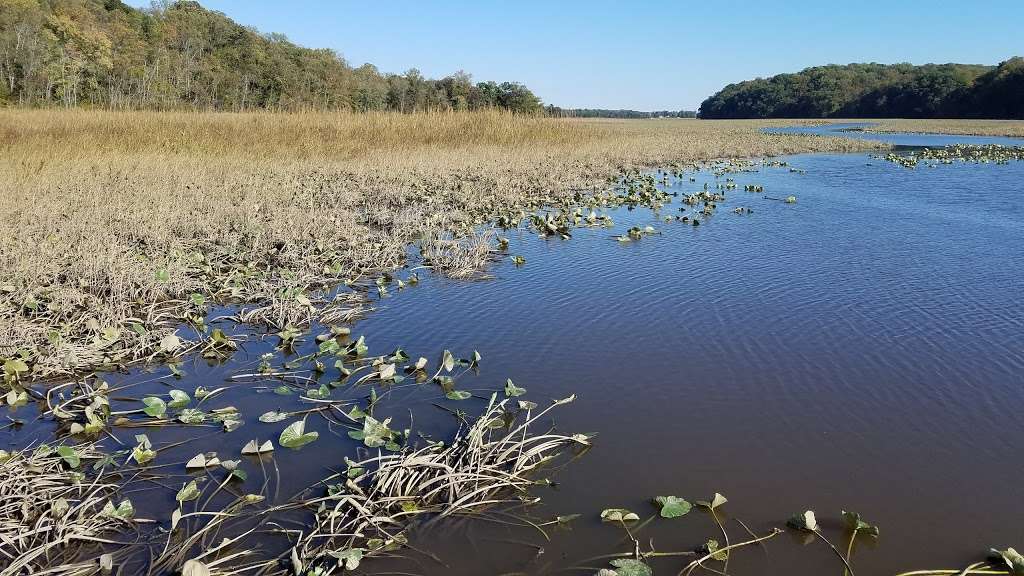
[{"x": 263, "y": 312}]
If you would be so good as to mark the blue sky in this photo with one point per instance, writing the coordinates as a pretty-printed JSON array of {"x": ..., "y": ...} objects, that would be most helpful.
[{"x": 653, "y": 55}]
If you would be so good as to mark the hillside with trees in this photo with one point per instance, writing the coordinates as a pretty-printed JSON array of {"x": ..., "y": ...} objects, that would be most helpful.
[
  {"x": 878, "y": 91},
  {"x": 178, "y": 55}
]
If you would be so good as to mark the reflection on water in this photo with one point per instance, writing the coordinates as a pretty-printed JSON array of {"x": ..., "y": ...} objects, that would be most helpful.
[{"x": 862, "y": 349}]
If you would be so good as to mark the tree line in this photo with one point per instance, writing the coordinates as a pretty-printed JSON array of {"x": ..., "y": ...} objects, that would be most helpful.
[
  {"x": 878, "y": 91},
  {"x": 178, "y": 55},
  {"x": 604, "y": 113}
]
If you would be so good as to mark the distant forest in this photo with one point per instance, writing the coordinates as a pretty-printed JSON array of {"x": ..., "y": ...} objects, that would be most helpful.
[
  {"x": 602, "y": 113},
  {"x": 178, "y": 55},
  {"x": 878, "y": 91}
]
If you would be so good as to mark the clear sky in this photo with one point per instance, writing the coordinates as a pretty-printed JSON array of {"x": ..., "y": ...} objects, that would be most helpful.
[{"x": 654, "y": 55}]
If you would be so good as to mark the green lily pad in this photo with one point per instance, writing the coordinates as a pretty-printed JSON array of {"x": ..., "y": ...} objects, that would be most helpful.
[
  {"x": 155, "y": 407},
  {"x": 672, "y": 506},
  {"x": 295, "y": 435}
]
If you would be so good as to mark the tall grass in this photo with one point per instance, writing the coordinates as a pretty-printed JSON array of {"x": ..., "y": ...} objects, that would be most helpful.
[{"x": 112, "y": 220}]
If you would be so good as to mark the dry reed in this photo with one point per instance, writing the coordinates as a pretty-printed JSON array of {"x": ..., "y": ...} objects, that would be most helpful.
[{"x": 115, "y": 221}]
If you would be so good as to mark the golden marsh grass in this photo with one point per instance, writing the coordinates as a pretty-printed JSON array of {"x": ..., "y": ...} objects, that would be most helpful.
[{"x": 115, "y": 223}]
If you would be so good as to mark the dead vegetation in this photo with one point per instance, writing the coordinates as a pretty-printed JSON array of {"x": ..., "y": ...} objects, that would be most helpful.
[
  {"x": 489, "y": 462},
  {"x": 119, "y": 227},
  {"x": 57, "y": 522},
  {"x": 1011, "y": 128}
]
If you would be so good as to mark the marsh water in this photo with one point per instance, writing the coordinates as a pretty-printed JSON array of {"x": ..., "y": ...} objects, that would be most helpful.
[{"x": 861, "y": 349}]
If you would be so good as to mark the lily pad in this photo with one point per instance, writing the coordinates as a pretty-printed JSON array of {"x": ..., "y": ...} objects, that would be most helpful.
[
  {"x": 716, "y": 501},
  {"x": 155, "y": 407},
  {"x": 805, "y": 521},
  {"x": 295, "y": 435},
  {"x": 188, "y": 492},
  {"x": 511, "y": 390},
  {"x": 672, "y": 506},
  {"x": 618, "y": 515},
  {"x": 273, "y": 416},
  {"x": 458, "y": 395}
]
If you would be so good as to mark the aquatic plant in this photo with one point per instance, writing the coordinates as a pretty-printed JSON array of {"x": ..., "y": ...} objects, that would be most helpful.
[
  {"x": 366, "y": 508},
  {"x": 53, "y": 518}
]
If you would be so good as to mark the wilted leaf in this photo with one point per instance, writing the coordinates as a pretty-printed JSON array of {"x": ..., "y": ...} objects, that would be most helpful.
[
  {"x": 804, "y": 521},
  {"x": 447, "y": 361},
  {"x": 273, "y": 416},
  {"x": 1011, "y": 558},
  {"x": 192, "y": 416},
  {"x": 716, "y": 501},
  {"x": 458, "y": 395},
  {"x": 511, "y": 390},
  {"x": 348, "y": 558},
  {"x": 631, "y": 567},
  {"x": 618, "y": 515},
  {"x": 188, "y": 492},
  {"x": 170, "y": 343},
  {"x": 254, "y": 447},
  {"x": 194, "y": 568},
  {"x": 857, "y": 525}
]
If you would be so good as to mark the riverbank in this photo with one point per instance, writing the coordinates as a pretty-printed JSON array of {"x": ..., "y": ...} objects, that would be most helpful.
[
  {"x": 1010, "y": 128},
  {"x": 122, "y": 227}
]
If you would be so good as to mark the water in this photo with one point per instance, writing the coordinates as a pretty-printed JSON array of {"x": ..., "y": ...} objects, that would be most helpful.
[{"x": 862, "y": 349}]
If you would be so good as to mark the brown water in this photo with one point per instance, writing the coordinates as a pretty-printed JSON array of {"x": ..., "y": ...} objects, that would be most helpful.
[{"x": 862, "y": 349}]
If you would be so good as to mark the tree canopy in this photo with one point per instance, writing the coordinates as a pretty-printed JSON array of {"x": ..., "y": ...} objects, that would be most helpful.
[
  {"x": 177, "y": 54},
  {"x": 878, "y": 91},
  {"x": 604, "y": 113}
]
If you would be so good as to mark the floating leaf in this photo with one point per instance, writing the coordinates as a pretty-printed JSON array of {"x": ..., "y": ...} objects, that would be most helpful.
[
  {"x": 69, "y": 455},
  {"x": 155, "y": 407},
  {"x": 712, "y": 547},
  {"x": 618, "y": 515},
  {"x": 804, "y": 521},
  {"x": 672, "y": 506},
  {"x": 123, "y": 510},
  {"x": 857, "y": 525},
  {"x": 143, "y": 455},
  {"x": 374, "y": 433},
  {"x": 447, "y": 361},
  {"x": 511, "y": 390},
  {"x": 192, "y": 416},
  {"x": 273, "y": 416},
  {"x": 716, "y": 501},
  {"x": 458, "y": 395},
  {"x": 295, "y": 435},
  {"x": 1011, "y": 558},
  {"x": 188, "y": 492},
  {"x": 348, "y": 558},
  {"x": 630, "y": 567},
  {"x": 179, "y": 399},
  {"x": 254, "y": 447},
  {"x": 170, "y": 343},
  {"x": 200, "y": 461}
]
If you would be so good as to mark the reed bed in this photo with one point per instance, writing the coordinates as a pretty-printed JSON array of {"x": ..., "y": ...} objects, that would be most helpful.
[
  {"x": 53, "y": 522},
  {"x": 120, "y": 227},
  {"x": 1011, "y": 128},
  {"x": 488, "y": 463}
]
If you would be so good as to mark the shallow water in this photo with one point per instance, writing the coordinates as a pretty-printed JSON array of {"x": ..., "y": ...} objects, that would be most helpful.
[{"x": 862, "y": 349}]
